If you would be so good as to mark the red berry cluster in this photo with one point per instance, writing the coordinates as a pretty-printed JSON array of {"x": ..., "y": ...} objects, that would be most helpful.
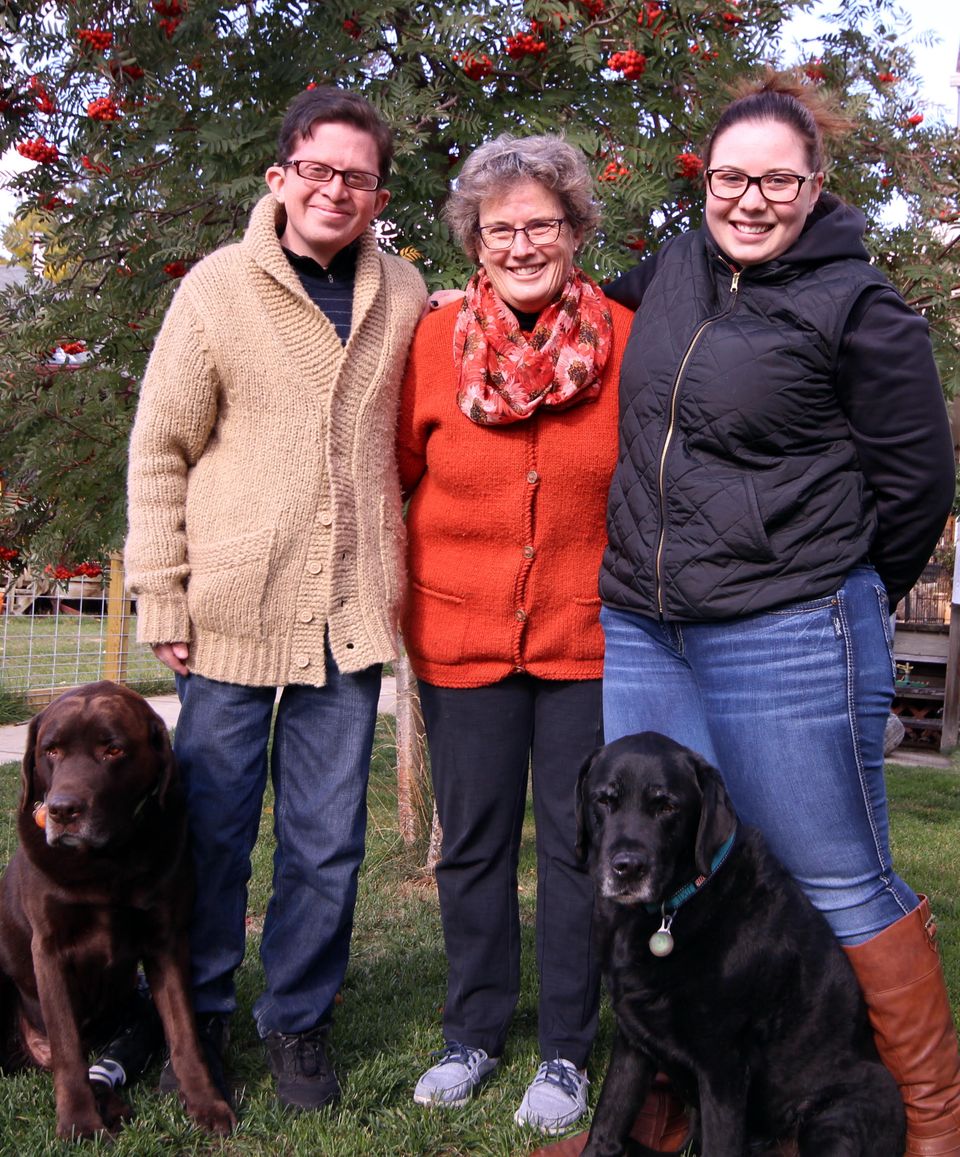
[
  {"x": 525, "y": 44},
  {"x": 689, "y": 165},
  {"x": 476, "y": 67},
  {"x": 8, "y": 553},
  {"x": 171, "y": 12},
  {"x": 815, "y": 71},
  {"x": 104, "y": 108},
  {"x": 631, "y": 63},
  {"x": 916, "y": 119},
  {"x": 638, "y": 244},
  {"x": 87, "y": 569},
  {"x": 96, "y": 39},
  {"x": 73, "y": 347},
  {"x": 352, "y": 28},
  {"x": 41, "y": 98},
  {"x": 175, "y": 269},
  {"x": 651, "y": 16},
  {"x": 614, "y": 171},
  {"x": 703, "y": 53},
  {"x": 887, "y": 78},
  {"x": 39, "y": 150},
  {"x": 118, "y": 68},
  {"x": 593, "y": 8},
  {"x": 95, "y": 166}
]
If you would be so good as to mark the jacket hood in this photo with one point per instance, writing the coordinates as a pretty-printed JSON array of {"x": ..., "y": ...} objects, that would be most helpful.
[{"x": 833, "y": 231}]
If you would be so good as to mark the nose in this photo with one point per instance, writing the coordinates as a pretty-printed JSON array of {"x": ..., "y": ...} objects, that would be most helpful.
[
  {"x": 65, "y": 809},
  {"x": 522, "y": 244},
  {"x": 752, "y": 198},
  {"x": 628, "y": 865}
]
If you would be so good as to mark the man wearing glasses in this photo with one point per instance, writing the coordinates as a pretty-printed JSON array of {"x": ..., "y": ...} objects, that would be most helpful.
[{"x": 263, "y": 552}]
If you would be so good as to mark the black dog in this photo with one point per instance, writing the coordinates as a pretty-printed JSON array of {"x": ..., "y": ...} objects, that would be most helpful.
[{"x": 721, "y": 972}]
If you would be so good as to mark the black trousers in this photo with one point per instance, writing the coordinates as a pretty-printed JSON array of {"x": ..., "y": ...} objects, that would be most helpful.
[{"x": 483, "y": 741}]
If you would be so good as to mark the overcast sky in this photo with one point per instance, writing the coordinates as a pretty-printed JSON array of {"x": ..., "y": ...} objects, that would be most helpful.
[{"x": 932, "y": 20}]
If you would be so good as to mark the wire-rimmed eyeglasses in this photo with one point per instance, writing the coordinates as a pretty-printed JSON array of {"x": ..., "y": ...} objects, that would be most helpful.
[
  {"x": 731, "y": 184},
  {"x": 319, "y": 174},
  {"x": 536, "y": 232}
]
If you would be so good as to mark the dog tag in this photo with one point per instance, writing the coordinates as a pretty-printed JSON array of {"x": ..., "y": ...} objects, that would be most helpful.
[{"x": 661, "y": 942}]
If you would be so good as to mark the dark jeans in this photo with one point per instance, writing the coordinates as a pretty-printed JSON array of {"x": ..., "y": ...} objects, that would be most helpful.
[
  {"x": 482, "y": 742},
  {"x": 320, "y": 762}
]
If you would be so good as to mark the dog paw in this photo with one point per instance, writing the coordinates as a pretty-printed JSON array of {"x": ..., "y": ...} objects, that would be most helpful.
[
  {"x": 83, "y": 1127},
  {"x": 216, "y": 1117}
]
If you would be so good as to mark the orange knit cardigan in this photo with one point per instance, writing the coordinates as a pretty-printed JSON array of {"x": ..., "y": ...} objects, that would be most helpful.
[{"x": 506, "y": 525}]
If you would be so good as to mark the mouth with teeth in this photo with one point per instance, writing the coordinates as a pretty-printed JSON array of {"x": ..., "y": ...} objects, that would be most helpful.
[{"x": 752, "y": 230}]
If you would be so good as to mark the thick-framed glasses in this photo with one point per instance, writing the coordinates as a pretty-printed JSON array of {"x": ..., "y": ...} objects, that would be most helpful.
[
  {"x": 537, "y": 233},
  {"x": 780, "y": 188},
  {"x": 319, "y": 174}
]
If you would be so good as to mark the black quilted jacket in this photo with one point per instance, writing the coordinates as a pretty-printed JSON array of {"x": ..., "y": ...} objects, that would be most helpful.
[{"x": 779, "y": 425}]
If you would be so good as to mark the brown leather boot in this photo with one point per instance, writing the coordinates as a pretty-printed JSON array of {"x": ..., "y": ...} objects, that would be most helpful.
[
  {"x": 661, "y": 1125},
  {"x": 900, "y": 974}
]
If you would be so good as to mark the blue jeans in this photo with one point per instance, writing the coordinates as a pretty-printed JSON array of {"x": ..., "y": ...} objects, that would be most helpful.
[
  {"x": 791, "y": 706},
  {"x": 319, "y": 765}
]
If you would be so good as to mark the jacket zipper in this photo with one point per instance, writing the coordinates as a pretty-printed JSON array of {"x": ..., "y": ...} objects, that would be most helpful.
[{"x": 671, "y": 427}]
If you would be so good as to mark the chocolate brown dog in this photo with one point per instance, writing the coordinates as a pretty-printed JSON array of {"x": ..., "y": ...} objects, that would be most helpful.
[
  {"x": 100, "y": 882},
  {"x": 721, "y": 972}
]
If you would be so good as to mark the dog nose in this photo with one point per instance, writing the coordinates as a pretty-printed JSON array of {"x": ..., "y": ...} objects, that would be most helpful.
[
  {"x": 628, "y": 864},
  {"x": 65, "y": 809}
]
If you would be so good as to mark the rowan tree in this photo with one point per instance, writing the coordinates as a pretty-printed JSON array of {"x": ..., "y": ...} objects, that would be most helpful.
[{"x": 152, "y": 122}]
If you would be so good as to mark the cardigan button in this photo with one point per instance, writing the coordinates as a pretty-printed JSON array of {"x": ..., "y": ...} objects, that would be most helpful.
[
  {"x": 305, "y": 616},
  {"x": 314, "y": 567},
  {"x": 520, "y": 615},
  {"x": 326, "y": 518},
  {"x": 301, "y": 661},
  {"x": 532, "y": 477},
  {"x": 528, "y": 552}
]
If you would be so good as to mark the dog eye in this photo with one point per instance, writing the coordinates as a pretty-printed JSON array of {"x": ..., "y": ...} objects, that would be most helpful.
[
  {"x": 604, "y": 798},
  {"x": 112, "y": 750},
  {"x": 53, "y": 751},
  {"x": 663, "y": 806}
]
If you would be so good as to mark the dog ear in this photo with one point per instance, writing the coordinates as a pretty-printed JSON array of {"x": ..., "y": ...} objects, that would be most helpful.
[
  {"x": 160, "y": 742},
  {"x": 582, "y": 845},
  {"x": 29, "y": 766},
  {"x": 717, "y": 816}
]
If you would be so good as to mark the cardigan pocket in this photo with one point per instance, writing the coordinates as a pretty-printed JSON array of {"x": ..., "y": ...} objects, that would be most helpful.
[
  {"x": 227, "y": 584},
  {"x": 434, "y": 625}
]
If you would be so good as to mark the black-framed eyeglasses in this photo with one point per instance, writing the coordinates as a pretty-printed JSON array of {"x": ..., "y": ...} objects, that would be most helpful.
[
  {"x": 536, "y": 232},
  {"x": 731, "y": 184},
  {"x": 319, "y": 174}
]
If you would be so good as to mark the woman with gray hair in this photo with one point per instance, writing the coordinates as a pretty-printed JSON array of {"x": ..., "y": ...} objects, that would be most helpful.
[{"x": 507, "y": 443}]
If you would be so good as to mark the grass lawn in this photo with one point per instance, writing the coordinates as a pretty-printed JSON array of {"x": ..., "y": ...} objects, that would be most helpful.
[{"x": 389, "y": 1019}]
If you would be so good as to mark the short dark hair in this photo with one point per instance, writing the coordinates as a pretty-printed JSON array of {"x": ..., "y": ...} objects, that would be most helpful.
[{"x": 330, "y": 105}]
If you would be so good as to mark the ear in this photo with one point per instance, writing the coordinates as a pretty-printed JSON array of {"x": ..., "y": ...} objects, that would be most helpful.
[
  {"x": 582, "y": 845},
  {"x": 160, "y": 742},
  {"x": 717, "y": 816},
  {"x": 29, "y": 766},
  {"x": 276, "y": 178}
]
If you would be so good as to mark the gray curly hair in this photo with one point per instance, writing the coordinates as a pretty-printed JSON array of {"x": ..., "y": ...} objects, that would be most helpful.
[{"x": 497, "y": 165}]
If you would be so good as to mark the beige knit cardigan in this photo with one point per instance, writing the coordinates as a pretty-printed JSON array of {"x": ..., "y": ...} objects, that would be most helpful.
[{"x": 263, "y": 498}]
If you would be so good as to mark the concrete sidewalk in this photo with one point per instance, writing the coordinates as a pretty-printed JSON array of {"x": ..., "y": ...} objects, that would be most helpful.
[{"x": 13, "y": 739}]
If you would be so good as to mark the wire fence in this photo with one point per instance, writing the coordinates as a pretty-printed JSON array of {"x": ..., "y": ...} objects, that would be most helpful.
[{"x": 61, "y": 633}]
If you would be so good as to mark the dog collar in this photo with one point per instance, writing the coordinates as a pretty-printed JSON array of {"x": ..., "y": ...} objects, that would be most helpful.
[{"x": 661, "y": 942}]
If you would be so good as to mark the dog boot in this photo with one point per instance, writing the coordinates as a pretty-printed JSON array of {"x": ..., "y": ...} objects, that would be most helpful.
[
  {"x": 661, "y": 1125},
  {"x": 902, "y": 980}
]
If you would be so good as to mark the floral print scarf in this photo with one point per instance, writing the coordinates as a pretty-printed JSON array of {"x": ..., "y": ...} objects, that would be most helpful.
[{"x": 506, "y": 375}]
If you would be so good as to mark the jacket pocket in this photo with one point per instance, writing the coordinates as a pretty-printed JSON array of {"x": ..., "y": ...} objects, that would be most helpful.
[
  {"x": 227, "y": 584},
  {"x": 434, "y": 625}
]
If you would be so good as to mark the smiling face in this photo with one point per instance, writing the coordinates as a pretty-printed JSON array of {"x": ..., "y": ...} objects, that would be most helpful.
[
  {"x": 324, "y": 218},
  {"x": 527, "y": 277},
  {"x": 751, "y": 229}
]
